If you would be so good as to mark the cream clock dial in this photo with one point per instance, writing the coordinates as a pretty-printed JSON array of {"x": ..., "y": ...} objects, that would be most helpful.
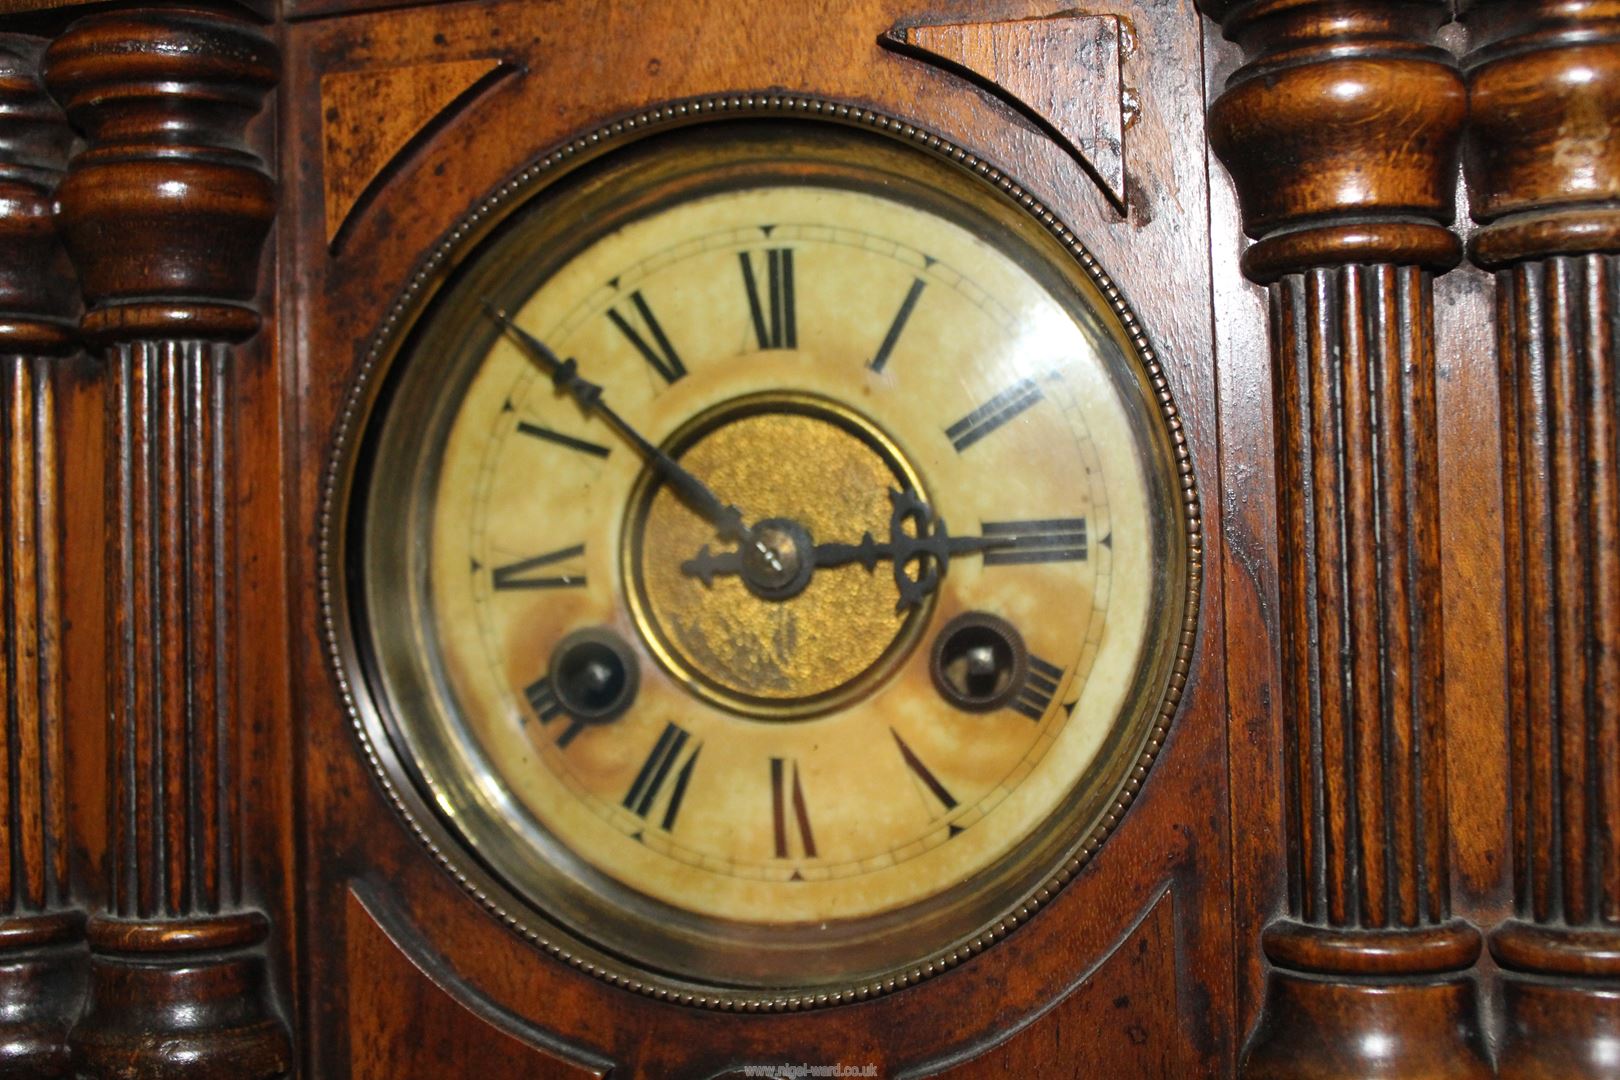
[{"x": 768, "y": 558}]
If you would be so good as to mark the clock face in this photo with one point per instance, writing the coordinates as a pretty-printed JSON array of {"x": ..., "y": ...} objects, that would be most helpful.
[{"x": 767, "y": 559}]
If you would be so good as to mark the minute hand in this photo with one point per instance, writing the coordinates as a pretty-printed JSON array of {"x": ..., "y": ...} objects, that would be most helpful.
[
  {"x": 727, "y": 519},
  {"x": 869, "y": 550}
]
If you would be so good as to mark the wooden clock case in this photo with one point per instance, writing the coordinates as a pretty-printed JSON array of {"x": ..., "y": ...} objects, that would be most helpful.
[{"x": 1380, "y": 835}]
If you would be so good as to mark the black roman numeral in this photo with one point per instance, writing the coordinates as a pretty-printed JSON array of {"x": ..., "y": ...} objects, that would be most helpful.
[
  {"x": 1050, "y": 540},
  {"x": 923, "y": 773},
  {"x": 543, "y": 700},
  {"x": 899, "y": 324},
  {"x": 993, "y": 413},
  {"x": 660, "y": 353},
  {"x": 517, "y": 575},
  {"x": 1040, "y": 683},
  {"x": 655, "y": 771},
  {"x": 547, "y": 435},
  {"x": 780, "y": 798},
  {"x": 781, "y": 330}
]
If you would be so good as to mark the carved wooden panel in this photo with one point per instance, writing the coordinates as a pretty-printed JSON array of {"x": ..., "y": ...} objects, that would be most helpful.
[
  {"x": 372, "y": 117},
  {"x": 1062, "y": 71},
  {"x": 424, "y": 1026},
  {"x": 557, "y": 55},
  {"x": 1139, "y": 984}
]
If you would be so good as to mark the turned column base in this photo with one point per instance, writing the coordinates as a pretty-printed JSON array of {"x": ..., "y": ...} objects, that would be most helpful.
[
  {"x": 180, "y": 998},
  {"x": 42, "y": 976},
  {"x": 1561, "y": 1002},
  {"x": 1369, "y": 1004}
]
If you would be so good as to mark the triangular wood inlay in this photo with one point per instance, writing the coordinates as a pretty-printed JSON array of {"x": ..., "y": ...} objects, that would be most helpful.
[
  {"x": 1063, "y": 72},
  {"x": 369, "y": 117}
]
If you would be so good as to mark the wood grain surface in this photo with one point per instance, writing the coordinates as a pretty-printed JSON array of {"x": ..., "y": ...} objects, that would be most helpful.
[
  {"x": 1174, "y": 837},
  {"x": 41, "y": 927},
  {"x": 1399, "y": 732},
  {"x": 1348, "y": 238},
  {"x": 164, "y": 211},
  {"x": 372, "y": 117},
  {"x": 1061, "y": 71},
  {"x": 1544, "y": 168}
]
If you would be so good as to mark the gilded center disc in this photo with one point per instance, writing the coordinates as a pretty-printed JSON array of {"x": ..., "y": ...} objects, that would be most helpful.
[{"x": 803, "y": 470}]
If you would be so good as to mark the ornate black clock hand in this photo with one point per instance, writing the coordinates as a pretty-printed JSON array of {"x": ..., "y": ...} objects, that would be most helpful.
[
  {"x": 931, "y": 539},
  {"x": 727, "y": 519}
]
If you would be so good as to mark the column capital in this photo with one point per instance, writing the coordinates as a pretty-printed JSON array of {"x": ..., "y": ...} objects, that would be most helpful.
[
  {"x": 166, "y": 210},
  {"x": 1340, "y": 132},
  {"x": 1542, "y": 158},
  {"x": 39, "y": 298}
]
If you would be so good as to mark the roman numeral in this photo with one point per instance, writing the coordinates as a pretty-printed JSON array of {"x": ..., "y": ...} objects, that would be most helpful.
[
  {"x": 781, "y": 331},
  {"x": 993, "y": 413},
  {"x": 660, "y": 353},
  {"x": 543, "y": 700},
  {"x": 1050, "y": 540},
  {"x": 893, "y": 336},
  {"x": 517, "y": 575},
  {"x": 923, "y": 773},
  {"x": 1040, "y": 683},
  {"x": 547, "y": 435},
  {"x": 655, "y": 772},
  {"x": 780, "y": 798}
]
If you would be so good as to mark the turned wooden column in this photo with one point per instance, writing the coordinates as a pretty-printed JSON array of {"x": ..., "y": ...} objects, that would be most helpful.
[
  {"x": 1340, "y": 132},
  {"x": 165, "y": 213},
  {"x": 1543, "y": 163},
  {"x": 41, "y": 931}
]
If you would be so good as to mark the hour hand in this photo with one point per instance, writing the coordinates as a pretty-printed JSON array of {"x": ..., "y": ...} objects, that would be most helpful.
[
  {"x": 706, "y": 564},
  {"x": 926, "y": 545}
]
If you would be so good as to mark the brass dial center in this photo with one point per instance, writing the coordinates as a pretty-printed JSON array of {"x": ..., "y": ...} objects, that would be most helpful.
[{"x": 783, "y": 638}]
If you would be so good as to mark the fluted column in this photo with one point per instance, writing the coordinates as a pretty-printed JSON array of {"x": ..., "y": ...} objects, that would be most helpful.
[
  {"x": 1543, "y": 164},
  {"x": 165, "y": 213},
  {"x": 1340, "y": 132},
  {"x": 41, "y": 931}
]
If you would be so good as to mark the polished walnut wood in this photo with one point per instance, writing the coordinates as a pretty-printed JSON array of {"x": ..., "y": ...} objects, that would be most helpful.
[
  {"x": 1544, "y": 173},
  {"x": 1037, "y": 65},
  {"x": 372, "y": 117},
  {"x": 41, "y": 928},
  {"x": 1341, "y": 133},
  {"x": 164, "y": 210},
  {"x": 1400, "y": 728}
]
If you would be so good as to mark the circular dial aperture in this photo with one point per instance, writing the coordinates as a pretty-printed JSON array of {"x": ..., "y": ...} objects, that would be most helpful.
[{"x": 785, "y": 550}]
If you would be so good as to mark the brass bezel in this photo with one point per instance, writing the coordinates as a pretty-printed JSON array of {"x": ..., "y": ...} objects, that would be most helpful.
[{"x": 1128, "y": 753}]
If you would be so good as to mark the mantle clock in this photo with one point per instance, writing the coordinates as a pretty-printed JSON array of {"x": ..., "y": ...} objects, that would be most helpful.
[{"x": 706, "y": 540}]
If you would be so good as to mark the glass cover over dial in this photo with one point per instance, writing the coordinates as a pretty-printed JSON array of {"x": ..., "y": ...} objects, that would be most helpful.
[{"x": 767, "y": 557}]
